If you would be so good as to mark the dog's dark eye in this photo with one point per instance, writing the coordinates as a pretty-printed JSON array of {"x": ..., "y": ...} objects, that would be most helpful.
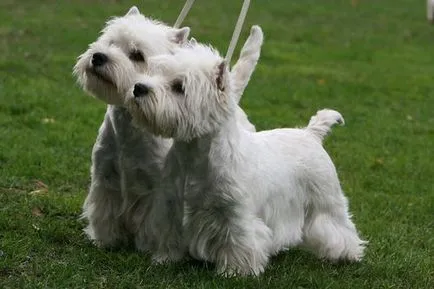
[
  {"x": 136, "y": 56},
  {"x": 177, "y": 87}
]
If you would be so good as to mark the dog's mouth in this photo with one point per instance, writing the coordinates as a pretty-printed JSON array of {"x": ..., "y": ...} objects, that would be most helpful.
[{"x": 100, "y": 76}]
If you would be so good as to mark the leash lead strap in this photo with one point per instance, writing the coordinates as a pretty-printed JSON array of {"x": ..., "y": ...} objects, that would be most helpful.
[
  {"x": 237, "y": 31},
  {"x": 184, "y": 12}
]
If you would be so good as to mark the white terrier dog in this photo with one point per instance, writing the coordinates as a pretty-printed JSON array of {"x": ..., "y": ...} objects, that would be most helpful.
[
  {"x": 126, "y": 161},
  {"x": 247, "y": 195}
]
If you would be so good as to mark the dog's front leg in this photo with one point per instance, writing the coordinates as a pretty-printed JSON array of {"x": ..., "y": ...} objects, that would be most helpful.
[
  {"x": 102, "y": 207},
  {"x": 166, "y": 216}
]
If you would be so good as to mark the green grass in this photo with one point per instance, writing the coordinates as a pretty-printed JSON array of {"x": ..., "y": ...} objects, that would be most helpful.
[{"x": 373, "y": 62}]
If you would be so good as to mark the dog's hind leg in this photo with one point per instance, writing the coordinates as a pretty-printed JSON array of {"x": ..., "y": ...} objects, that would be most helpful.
[
  {"x": 286, "y": 219},
  {"x": 329, "y": 231}
]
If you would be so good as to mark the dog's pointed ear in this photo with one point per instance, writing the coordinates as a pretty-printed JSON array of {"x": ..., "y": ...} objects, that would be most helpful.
[
  {"x": 222, "y": 75},
  {"x": 133, "y": 11},
  {"x": 180, "y": 35},
  {"x": 193, "y": 41}
]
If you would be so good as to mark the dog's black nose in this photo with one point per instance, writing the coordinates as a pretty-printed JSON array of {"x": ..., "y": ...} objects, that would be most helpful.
[
  {"x": 99, "y": 59},
  {"x": 140, "y": 90}
]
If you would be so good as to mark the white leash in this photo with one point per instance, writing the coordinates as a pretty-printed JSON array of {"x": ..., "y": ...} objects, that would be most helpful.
[
  {"x": 184, "y": 12},
  {"x": 237, "y": 31}
]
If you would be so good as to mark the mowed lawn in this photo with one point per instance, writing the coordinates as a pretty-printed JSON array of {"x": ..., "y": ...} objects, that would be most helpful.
[{"x": 371, "y": 60}]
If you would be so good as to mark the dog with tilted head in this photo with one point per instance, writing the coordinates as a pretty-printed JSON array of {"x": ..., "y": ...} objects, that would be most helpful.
[
  {"x": 126, "y": 160},
  {"x": 244, "y": 196}
]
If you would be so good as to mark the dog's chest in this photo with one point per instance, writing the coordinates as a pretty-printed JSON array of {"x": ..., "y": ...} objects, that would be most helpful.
[{"x": 196, "y": 180}]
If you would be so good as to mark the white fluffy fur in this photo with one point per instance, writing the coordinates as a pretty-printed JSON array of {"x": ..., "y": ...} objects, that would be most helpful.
[
  {"x": 126, "y": 161},
  {"x": 247, "y": 195}
]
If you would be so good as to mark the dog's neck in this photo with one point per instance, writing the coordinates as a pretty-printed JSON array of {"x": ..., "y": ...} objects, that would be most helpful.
[
  {"x": 130, "y": 136},
  {"x": 202, "y": 159},
  {"x": 220, "y": 144}
]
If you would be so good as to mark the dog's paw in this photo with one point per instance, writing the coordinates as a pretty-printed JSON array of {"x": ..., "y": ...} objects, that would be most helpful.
[
  {"x": 230, "y": 271},
  {"x": 166, "y": 257},
  {"x": 160, "y": 258},
  {"x": 357, "y": 253},
  {"x": 227, "y": 272},
  {"x": 99, "y": 244},
  {"x": 105, "y": 244}
]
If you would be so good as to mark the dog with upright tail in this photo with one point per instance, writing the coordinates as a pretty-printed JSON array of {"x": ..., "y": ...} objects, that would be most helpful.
[
  {"x": 126, "y": 160},
  {"x": 244, "y": 196}
]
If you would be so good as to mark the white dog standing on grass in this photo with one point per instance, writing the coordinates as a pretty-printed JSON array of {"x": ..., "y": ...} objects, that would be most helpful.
[
  {"x": 247, "y": 195},
  {"x": 126, "y": 161}
]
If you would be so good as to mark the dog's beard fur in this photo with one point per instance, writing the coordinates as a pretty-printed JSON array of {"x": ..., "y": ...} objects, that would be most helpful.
[
  {"x": 155, "y": 114},
  {"x": 109, "y": 82},
  {"x": 247, "y": 195},
  {"x": 164, "y": 116}
]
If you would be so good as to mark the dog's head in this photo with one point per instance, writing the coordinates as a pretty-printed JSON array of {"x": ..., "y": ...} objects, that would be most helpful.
[
  {"x": 110, "y": 65},
  {"x": 184, "y": 95}
]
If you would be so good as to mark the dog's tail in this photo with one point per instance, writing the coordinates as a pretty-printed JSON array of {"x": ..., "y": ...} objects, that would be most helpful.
[{"x": 321, "y": 123}]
